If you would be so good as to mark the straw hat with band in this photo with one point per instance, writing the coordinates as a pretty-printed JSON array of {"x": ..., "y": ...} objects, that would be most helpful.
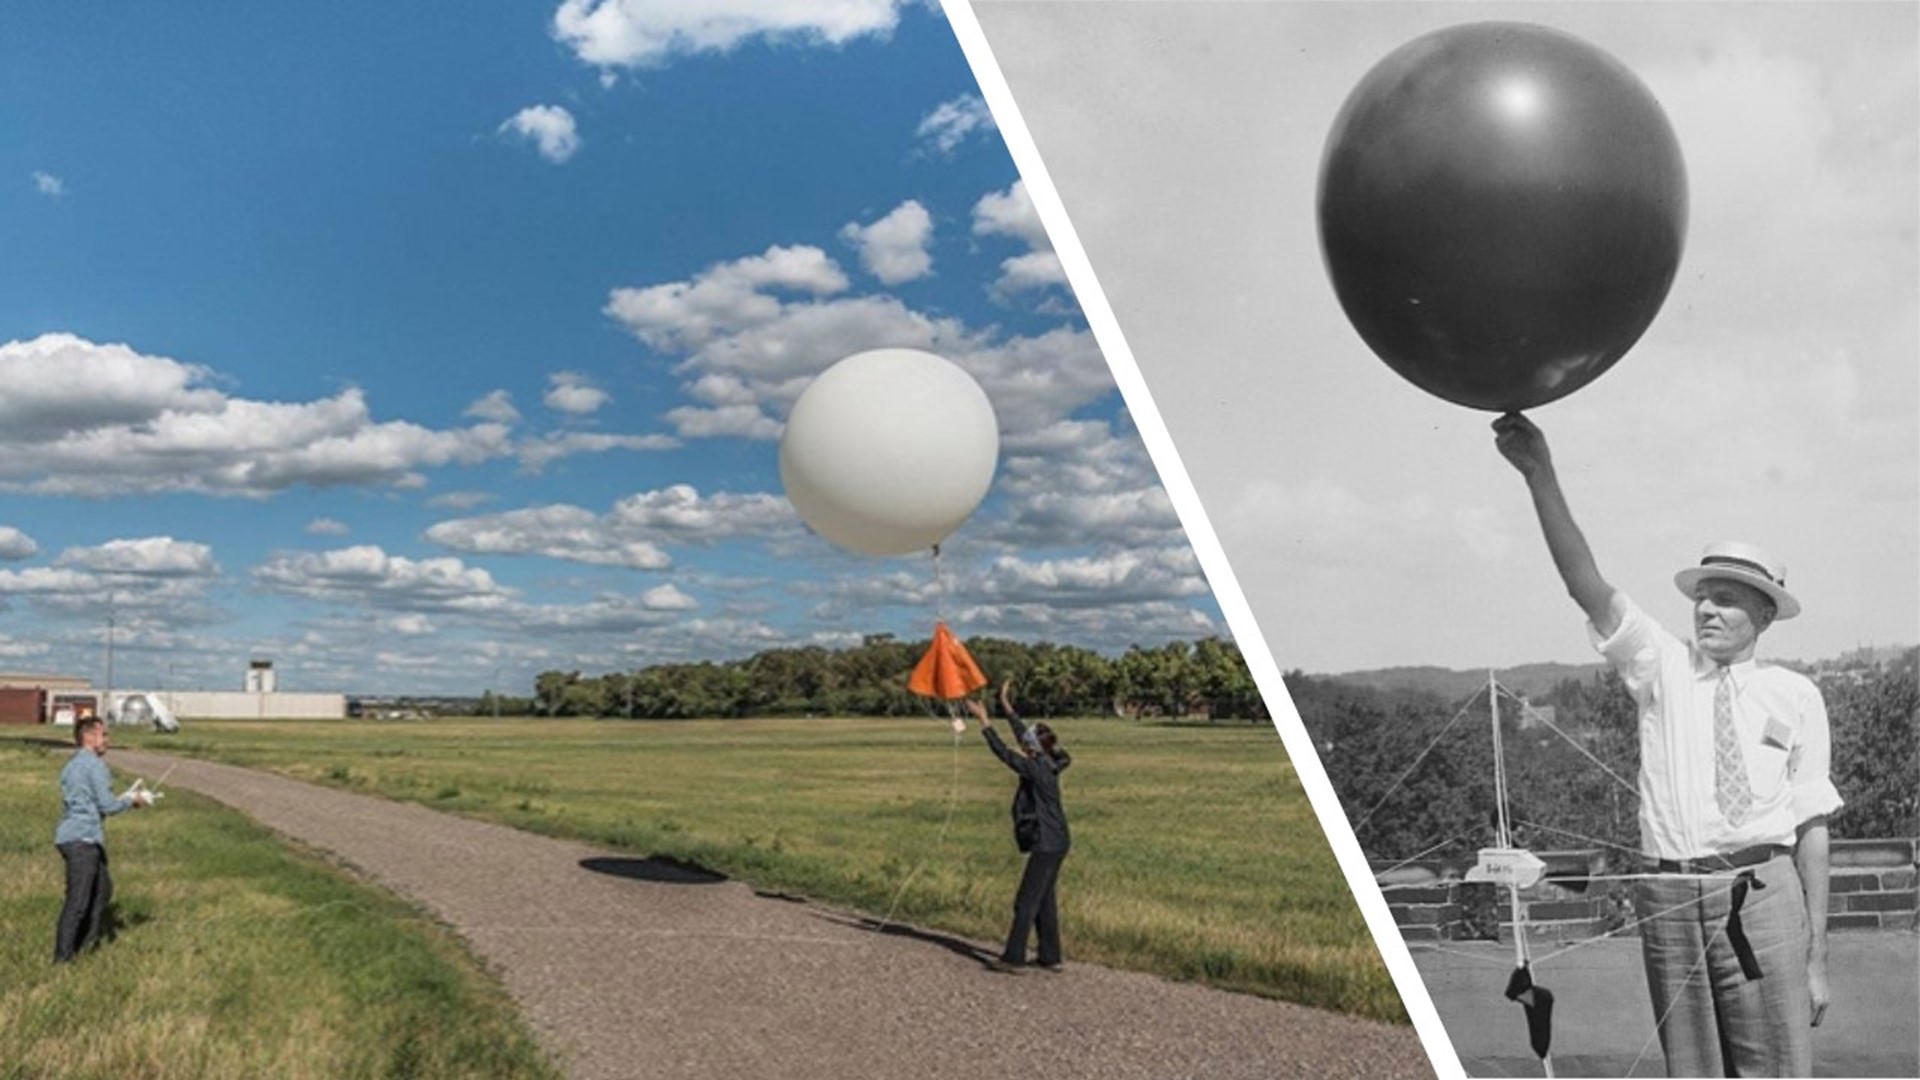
[{"x": 1748, "y": 564}]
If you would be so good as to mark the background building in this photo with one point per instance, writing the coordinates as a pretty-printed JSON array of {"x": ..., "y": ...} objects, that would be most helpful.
[{"x": 32, "y": 698}]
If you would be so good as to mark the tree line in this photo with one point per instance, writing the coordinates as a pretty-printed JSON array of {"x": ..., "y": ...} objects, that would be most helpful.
[
  {"x": 1370, "y": 739},
  {"x": 1200, "y": 679}
]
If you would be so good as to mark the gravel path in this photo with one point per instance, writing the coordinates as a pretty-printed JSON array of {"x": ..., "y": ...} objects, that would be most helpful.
[{"x": 634, "y": 968}]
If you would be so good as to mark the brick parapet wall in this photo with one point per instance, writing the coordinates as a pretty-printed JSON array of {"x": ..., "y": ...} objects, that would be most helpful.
[{"x": 1873, "y": 885}]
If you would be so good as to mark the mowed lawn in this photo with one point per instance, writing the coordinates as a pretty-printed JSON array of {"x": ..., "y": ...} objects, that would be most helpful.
[
  {"x": 237, "y": 956},
  {"x": 1196, "y": 854}
]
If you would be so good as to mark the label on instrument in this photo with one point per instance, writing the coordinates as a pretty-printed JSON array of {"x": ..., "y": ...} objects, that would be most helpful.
[{"x": 1517, "y": 867}]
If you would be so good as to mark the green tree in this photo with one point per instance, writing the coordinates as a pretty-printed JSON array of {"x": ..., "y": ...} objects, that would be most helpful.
[
  {"x": 1224, "y": 683},
  {"x": 1874, "y": 717},
  {"x": 550, "y": 690}
]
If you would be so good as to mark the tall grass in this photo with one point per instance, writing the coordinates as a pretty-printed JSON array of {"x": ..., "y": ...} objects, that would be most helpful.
[
  {"x": 1196, "y": 855},
  {"x": 236, "y": 956}
]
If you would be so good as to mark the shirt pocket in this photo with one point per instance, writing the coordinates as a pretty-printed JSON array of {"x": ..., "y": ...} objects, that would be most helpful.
[{"x": 1769, "y": 759}]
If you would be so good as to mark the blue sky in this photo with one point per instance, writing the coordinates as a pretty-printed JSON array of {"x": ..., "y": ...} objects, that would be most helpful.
[{"x": 426, "y": 348}]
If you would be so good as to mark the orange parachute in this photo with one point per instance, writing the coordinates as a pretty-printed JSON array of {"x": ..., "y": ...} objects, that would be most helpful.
[{"x": 947, "y": 670}]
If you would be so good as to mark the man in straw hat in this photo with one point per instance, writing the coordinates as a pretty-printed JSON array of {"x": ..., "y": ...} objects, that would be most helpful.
[{"x": 1734, "y": 797}]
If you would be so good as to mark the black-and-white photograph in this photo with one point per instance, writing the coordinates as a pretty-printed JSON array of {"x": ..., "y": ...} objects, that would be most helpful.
[{"x": 1550, "y": 376}]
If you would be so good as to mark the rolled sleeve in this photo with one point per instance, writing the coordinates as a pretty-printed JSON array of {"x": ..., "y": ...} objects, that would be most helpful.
[
  {"x": 1809, "y": 767},
  {"x": 1634, "y": 648}
]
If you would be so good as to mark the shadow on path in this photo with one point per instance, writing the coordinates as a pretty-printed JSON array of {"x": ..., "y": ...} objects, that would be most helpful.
[
  {"x": 957, "y": 946},
  {"x": 659, "y": 869}
]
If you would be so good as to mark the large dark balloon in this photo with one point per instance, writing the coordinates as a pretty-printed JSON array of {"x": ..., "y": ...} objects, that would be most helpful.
[{"x": 1502, "y": 208}]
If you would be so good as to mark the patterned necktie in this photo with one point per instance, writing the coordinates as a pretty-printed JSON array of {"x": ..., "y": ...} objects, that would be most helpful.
[{"x": 1730, "y": 787}]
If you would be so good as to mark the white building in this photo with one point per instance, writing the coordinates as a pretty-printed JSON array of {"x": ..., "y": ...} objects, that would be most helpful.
[
  {"x": 260, "y": 678},
  {"x": 242, "y": 705},
  {"x": 259, "y": 699}
]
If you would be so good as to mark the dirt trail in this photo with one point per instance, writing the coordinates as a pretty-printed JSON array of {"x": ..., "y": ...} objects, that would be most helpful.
[{"x": 633, "y": 968}]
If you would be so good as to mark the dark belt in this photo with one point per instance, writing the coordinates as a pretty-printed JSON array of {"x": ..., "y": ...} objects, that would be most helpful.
[{"x": 1710, "y": 864}]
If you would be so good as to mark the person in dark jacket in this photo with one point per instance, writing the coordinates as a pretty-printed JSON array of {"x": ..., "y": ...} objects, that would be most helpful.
[{"x": 1039, "y": 829}]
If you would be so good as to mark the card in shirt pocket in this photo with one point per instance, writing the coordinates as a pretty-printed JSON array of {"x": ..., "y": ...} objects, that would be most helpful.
[{"x": 1777, "y": 734}]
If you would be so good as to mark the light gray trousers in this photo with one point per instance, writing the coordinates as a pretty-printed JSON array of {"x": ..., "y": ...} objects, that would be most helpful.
[{"x": 1713, "y": 1020}]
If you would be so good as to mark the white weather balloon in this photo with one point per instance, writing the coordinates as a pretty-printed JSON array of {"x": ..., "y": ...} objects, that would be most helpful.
[{"x": 889, "y": 450}]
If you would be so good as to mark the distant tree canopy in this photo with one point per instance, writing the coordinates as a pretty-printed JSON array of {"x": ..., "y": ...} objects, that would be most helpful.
[
  {"x": 1876, "y": 748},
  {"x": 1368, "y": 739},
  {"x": 1207, "y": 678}
]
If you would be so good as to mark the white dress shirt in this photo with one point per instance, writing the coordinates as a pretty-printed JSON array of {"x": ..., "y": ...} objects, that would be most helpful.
[{"x": 1782, "y": 725}]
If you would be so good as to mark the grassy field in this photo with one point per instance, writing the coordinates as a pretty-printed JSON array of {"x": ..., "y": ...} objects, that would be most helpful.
[
  {"x": 236, "y": 956},
  {"x": 1196, "y": 854}
]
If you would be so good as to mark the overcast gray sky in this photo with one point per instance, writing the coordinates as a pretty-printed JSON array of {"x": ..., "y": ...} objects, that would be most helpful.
[{"x": 1775, "y": 399}]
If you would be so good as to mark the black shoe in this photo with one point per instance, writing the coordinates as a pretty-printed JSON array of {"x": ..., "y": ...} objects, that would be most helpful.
[
  {"x": 1006, "y": 967},
  {"x": 1054, "y": 968}
]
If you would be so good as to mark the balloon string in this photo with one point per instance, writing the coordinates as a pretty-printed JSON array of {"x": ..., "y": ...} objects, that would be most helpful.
[
  {"x": 939, "y": 841},
  {"x": 939, "y": 587}
]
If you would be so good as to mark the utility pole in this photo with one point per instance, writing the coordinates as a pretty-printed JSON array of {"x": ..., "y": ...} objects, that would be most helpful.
[{"x": 106, "y": 706}]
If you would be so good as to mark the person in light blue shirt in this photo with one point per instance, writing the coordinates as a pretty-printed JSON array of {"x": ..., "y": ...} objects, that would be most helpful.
[{"x": 86, "y": 789}]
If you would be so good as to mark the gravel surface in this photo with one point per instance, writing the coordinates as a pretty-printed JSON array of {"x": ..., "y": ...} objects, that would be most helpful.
[{"x": 630, "y": 967}]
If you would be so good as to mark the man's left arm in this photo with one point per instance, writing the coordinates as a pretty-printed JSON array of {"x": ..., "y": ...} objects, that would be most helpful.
[
  {"x": 1810, "y": 858},
  {"x": 1814, "y": 800}
]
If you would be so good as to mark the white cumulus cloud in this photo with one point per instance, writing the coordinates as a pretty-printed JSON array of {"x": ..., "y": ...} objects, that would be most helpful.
[
  {"x": 748, "y": 349},
  {"x": 679, "y": 513},
  {"x": 461, "y": 500},
  {"x": 366, "y": 575},
  {"x": 149, "y": 556},
  {"x": 153, "y": 583},
  {"x": 551, "y": 128},
  {"x": 667, "y": 598},
  {"x": 410, "y": 625},
  {"x": 13, "y": 648},
  {"x": 1104, "y": 628},
  {"x": 537, "y": 454},
  {"x": 640, "y": 33},
  {"x": 572, "y": 533},
  {"x": 951, "y": 122},
  {"x": 79, "y": 418},
  {"x": 724, "y": 421},
  {"x": 1127, "y": 576},
  {"x": 657, "y": 610},
  {"x": 894, "y": 249},
  {"x": 15, "y": 544},
  {"x": 724, "y": 298},
  {"x": 1011, "y": 213},
  {"x": 496, "y": 406},
  {"x": 633, "y": 533},
  {"x": 48, "y": 184},
  {"x": 61, "y": 383},
  {"x": 574, "y": 393}
]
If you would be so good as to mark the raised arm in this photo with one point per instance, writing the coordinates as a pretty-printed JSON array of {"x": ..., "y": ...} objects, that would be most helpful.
[
  {"x": 1012, "y": 714},
  {"x": 1525, "y": 446},
  {"x": 1012, "y": 758}
]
